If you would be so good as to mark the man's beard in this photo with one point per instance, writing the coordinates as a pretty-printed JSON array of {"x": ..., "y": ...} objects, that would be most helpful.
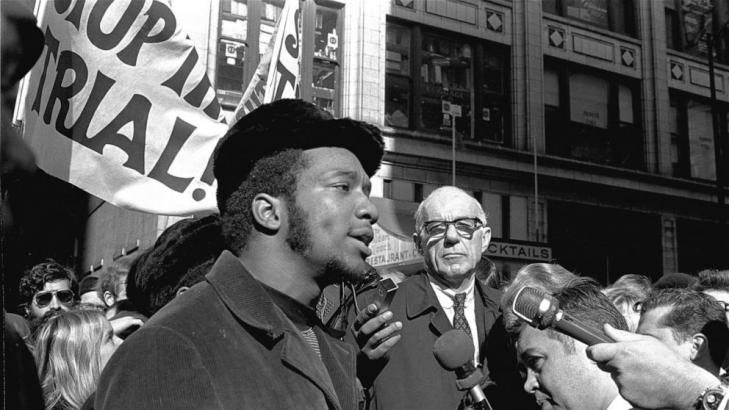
[{"x": 300, "y": 241}]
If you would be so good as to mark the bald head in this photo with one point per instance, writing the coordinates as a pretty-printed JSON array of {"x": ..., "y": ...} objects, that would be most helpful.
[{"x": 447, "y": 197}]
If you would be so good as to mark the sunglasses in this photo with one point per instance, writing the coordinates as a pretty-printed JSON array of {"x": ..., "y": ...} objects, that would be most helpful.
[
  {"x": 43, "y": 299},
  {"x": 464, "y": 226}
]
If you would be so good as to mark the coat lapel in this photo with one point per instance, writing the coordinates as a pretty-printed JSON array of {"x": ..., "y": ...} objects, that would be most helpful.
[
  {"x": 421, "y": 299},
  {"x": 250, "y": 303}
]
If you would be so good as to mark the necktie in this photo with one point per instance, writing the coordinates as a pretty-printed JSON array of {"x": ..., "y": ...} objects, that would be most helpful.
[{"x": 459, "y": 318}]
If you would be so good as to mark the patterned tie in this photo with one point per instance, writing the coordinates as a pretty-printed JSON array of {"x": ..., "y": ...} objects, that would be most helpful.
[{"x": 459, "y": 319}]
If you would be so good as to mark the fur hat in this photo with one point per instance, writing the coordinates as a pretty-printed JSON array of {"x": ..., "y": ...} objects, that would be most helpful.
[{"x": 289, "y": 124}]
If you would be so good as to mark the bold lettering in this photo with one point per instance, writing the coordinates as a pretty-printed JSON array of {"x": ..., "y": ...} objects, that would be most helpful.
[
  {"x": 180, "y": 133},
  {"x": 213, "y": 109},
  {"x": 61, "y": 6},
  {"x": 108, "y": 41},
  {"x": 197, "y": 94},
  {"x": 292, "y": 41},
  {"x": 136, "y": 112},
  {"x": 80, "y": 129},
  {"x": 178, "y": 80},
  {"x": 286, "y": 77},
  {"x": 67, "y": 61},
  {"x": 51, "y": 49},
  {"x": 158, "y": 12},
  {"x": 521, "y": 252},
  {"x": 74, "y": 17},
  {"x": 208, "y": 177}
]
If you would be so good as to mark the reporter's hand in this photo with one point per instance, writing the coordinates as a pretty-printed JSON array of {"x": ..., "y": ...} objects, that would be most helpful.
[
  {"x": 122, "y": 324},
  {"x": 373, "y": 332},
  {"x": 648, "y": 373}
]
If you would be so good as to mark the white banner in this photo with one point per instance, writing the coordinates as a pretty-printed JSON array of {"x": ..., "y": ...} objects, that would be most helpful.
[
  {"x": 278, "y": 73},
  {"x": 119, "y": 105}
]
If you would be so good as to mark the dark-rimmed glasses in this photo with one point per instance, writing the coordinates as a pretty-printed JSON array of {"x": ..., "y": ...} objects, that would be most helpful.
[
  {"x": 464, "y": 226},
  {"x": 43, "y": 299}
]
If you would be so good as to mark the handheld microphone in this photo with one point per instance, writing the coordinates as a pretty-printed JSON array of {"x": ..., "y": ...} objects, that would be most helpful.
[
  {"x": 454, "y": 352},
  {"x": 540, "y": 310}
]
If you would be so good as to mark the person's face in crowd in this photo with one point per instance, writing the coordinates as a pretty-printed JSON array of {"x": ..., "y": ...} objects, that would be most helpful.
[
  {"x": 109, "y": 345},
  {"x": 451, "y": 255},
  {"x": 121, "y": 290},
  {"x": 91, "y": 298},
  {"x": 559, "y": 378},
  {"x": 630, "y": 313},
  {"x": 55, "y": 295},
  {"x": 331, "y": 221},
  {"x": 650, "y": 325}
]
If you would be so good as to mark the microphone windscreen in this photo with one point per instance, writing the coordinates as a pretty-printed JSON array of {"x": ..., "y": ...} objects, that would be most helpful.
[{"x": 453, "y": 349}]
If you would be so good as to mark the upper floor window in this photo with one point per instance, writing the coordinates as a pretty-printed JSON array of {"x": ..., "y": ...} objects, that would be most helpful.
[
  {"x": 592, "y": 116},
  {"x": 692, "y": 136},
  {"x": 688, "y": 22},
  {"x": 245, "y": 29},
  {"x": 426, "y": 67},
  {"x": 613, "y": 15}
]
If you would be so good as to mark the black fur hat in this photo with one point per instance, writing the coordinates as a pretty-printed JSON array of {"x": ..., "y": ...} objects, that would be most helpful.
[
  {"x": 157, "y": 273},
  {"x": 289, "y": 124}
]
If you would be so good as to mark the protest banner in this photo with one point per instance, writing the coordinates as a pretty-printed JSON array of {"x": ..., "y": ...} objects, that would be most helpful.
[
  {"x": 119, "y": 105},
  {"x": 278, "y": 73}
]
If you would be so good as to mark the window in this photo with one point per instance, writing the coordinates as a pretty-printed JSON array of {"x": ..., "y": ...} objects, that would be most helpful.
[
  {"x": 492, "y": 204},
  {"x": 592, "y": 116},
  {"x": 687, "y": 22},
  {"x": 245, "y": 29},
  {"x": 426, "y": 67},
  {"x": 692, "y": 136},
  {"x": 231, "y": 50},
  {"x": 614, "y": 15}
]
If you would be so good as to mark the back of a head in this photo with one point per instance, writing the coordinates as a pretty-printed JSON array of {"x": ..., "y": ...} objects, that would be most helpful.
[
  {"x": 37, "y": 276},
  {"x": 547, "y": 277},
  {"x": 582, "y": 298},
  {"x": 67, "y": 353},
  {"x": 713, "y": 279},
  {"x": 693, "y": 312},
  {"x": 675, "y": 280},
  {"x": 183, "y": 247},
  {"x": 113, "y": 277}
]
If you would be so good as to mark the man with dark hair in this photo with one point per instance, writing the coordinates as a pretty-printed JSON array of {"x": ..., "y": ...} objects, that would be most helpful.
[
  {"x": 691, "y": 323},
  {"x": 88, "y": 290},
  {"x": 715, "y": 283},
  {"x": 293, "y": 190},
  {"x": 558, "y": 371},
  {"x": 47, "y": 287}
]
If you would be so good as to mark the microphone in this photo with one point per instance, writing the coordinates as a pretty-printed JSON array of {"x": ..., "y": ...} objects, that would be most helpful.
[
  {"x": 454, "y": 352},
  {"x": 541, "y": 310}
]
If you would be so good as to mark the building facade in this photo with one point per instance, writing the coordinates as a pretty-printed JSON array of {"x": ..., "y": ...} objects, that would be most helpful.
[{"x": 585, "y": 126}]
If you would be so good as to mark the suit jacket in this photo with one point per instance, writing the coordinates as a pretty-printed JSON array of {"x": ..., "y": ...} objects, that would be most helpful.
[
  {"x": 412, "y": 378},
  {"x": 224, "y": 344}
]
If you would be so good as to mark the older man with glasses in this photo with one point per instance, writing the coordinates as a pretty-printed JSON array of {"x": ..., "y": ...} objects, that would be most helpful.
[
  {"x": 46, "y": 287},
  {"x": 451, "y": 234}
]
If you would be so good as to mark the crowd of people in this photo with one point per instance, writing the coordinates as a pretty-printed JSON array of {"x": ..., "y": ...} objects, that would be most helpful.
[{"x": 233, "y": 310}]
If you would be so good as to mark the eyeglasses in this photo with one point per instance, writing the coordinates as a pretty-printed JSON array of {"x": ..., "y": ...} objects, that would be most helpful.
[
  {"x": 464, "y": 226},
  {"x": 43, "y": 299}
]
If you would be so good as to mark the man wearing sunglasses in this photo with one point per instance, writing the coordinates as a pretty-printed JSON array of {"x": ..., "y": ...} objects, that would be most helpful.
[
  {"x": 451, "y": 234},
  {"x": 46, "y": 287}
]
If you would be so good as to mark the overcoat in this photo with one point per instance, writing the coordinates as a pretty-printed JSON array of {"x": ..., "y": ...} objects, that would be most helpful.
[{"x": 224, "y": 344}]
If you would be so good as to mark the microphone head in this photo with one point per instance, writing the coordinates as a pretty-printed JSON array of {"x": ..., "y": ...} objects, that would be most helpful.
[
  {"x": 535, "y": 307},
  {"x": 453, "y": 349}
]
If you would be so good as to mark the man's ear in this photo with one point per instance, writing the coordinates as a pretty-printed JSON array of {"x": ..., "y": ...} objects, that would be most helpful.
[
  {"x": 181, "y": 290},
  {"x": 486, "y": 238},
  {"x": 699, "y": 346},
  {"x": 267, "y": 211},
  {"x": 418, "y": 245},
  {"x": 109, "y": 299}
]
